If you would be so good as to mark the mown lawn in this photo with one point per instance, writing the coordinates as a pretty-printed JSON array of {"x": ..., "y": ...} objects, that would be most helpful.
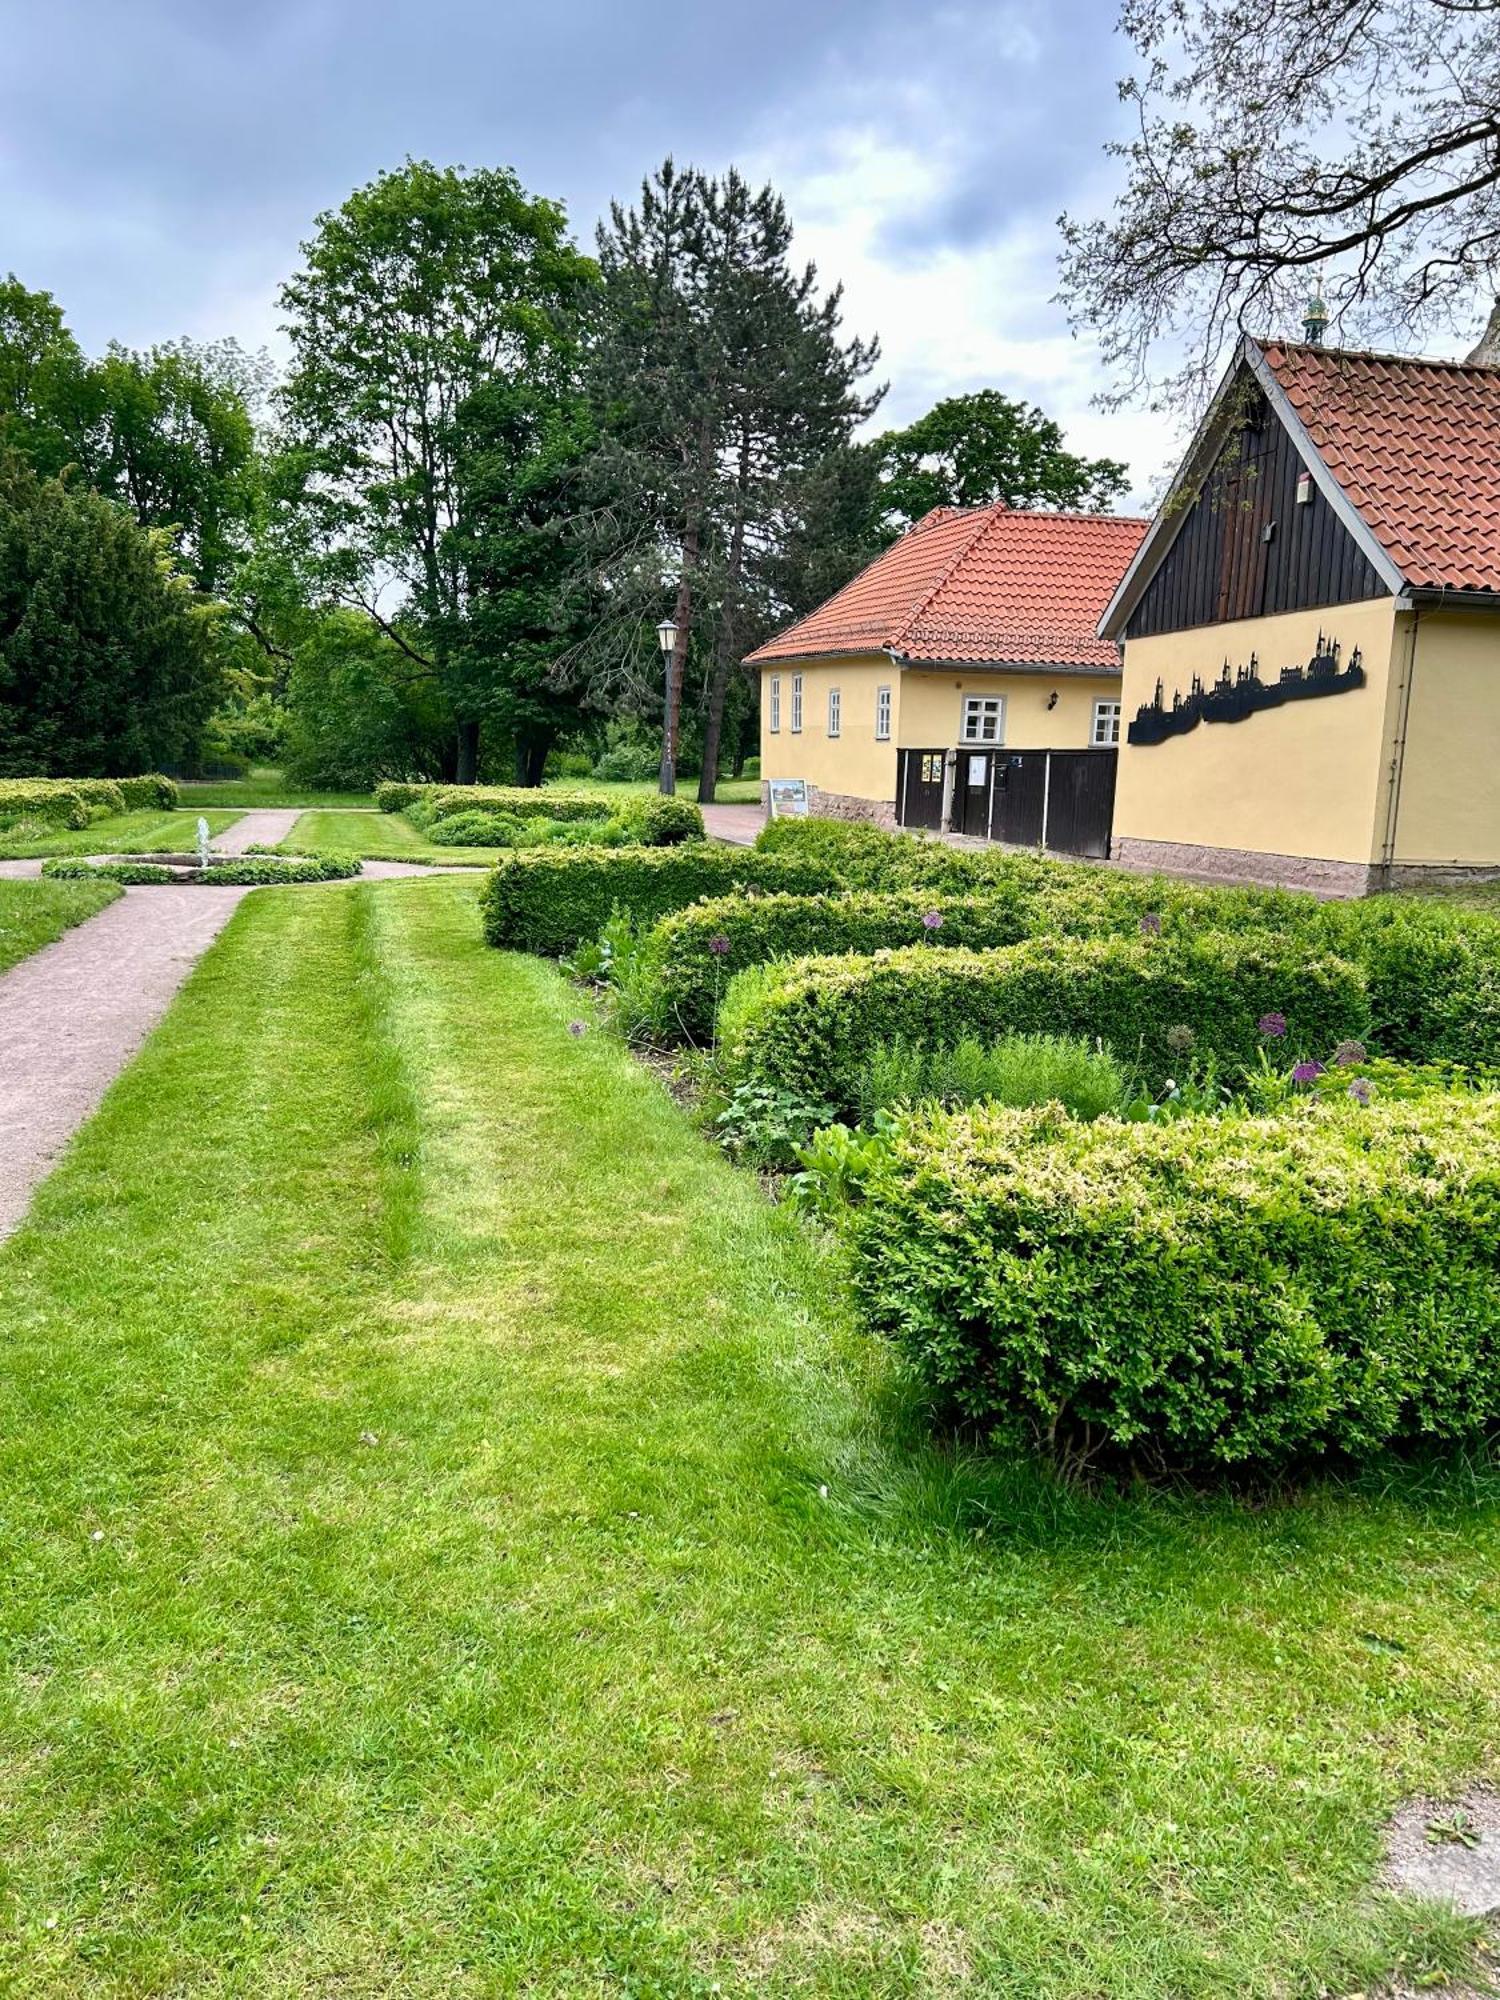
[
  {"x": 455, "y": 1545},
  {"x": 376, "y": 836},
  {"x": 35, "y": 913},
  {"x": 118, "y": 833},
  {"x": 262, "y": 787}
]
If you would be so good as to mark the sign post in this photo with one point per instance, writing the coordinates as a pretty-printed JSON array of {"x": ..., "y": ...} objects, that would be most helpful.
[{"x": 788, "y": 797}]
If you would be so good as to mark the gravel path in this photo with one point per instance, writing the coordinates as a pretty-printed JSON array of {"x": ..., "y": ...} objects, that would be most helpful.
[
  {"x": 73, "y": 1014},
  {"x": 737, "y": 824},
  {"x": 254, "y": 828}
]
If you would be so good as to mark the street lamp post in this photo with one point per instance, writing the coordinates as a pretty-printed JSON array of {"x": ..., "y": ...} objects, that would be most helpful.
[{"x": 666, "y": 638}]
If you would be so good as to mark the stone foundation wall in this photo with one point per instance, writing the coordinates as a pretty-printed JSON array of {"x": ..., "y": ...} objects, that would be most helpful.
[
  {"x": 1436, "y": 874},
  {"x": 841, "y": 805},
  {"x": 1228, "y": 864}
]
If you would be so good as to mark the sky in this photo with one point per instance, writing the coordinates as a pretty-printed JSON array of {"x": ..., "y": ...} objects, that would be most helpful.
[{"x": 161, "y": 160}]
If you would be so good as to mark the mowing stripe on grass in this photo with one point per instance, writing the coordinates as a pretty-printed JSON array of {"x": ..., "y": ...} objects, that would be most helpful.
[{"x": 420, "y": 1578}]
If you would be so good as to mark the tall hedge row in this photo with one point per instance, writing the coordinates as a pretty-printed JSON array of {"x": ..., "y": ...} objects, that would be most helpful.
[
  {"x": 522, "y": 802},
  {"x": 551, "y": 900},
  {"x": 808, "y": 1025},
  {"x": 71, "y": 802},
  {"x": 1210, "y": 1292}
]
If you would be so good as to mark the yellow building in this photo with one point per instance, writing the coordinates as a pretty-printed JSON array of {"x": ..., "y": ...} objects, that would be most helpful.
[
  {"x": 1311, "y": 630},
  {"x": 959, "y": 682}
]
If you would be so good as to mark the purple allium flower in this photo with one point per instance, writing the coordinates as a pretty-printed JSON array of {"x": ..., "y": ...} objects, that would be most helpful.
[
  {"x": 1151, "y": 924},
  {"x": 933, "y": 920},
  {"x": 576, "y": 1028},
  {"x": 1361, "y": 1090},
  {"x": 1308, "y": 1072},
  {"x": 1349, "y": 1053},
  {"x": 1272, "y": 1026},
  {"x": 718, "y": 945}
]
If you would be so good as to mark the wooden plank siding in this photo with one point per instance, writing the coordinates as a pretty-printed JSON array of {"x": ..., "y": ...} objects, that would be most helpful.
[{"x": 1222, "y": 566}]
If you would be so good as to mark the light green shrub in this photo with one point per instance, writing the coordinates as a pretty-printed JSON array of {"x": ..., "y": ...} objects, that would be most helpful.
[
  {"x": 809, "y": 1025},
  {"x": 1219, "y": 1291},
  {"x": 1018, "y": 1070}
]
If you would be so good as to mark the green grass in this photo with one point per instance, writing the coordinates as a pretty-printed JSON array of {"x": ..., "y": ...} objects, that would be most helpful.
[
  {"x": 376, "y": 836},
  {"x": 262, "y": 787},
  {"x": 118, "y": 833},
  {"x": 456, "y": 1546},
  {"x": 35, "y": 913}
]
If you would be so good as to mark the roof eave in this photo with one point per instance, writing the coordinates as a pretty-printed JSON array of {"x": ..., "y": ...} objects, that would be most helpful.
[{"x": 1094, "y": 668}]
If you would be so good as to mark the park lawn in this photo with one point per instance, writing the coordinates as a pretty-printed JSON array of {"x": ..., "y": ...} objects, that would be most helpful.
[
  {"x": 36, "y": 913},
  {"x": 264, "y": 786},
  {"x": 376, "y": 836},
  {"x": 118, "y": 833},
  {"x": 728, "y": 791},
  {"x": 456, "y": 1546}
]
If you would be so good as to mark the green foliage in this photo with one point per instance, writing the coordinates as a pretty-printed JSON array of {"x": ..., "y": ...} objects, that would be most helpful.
[
  {"x": 106, "y": 660},
  {"x": 356, "y": 710},
  {"x": 767, "y": 1125},
  {"x": 474, "y": 828},
  {"x": 129, "y": 874},
  {"x": 551, "y": 901},
  {"x": 629, "y": 759},
  {"x": 395, "y": 795},
  {"x": 971, "y": 450},
  {"x": 662, "y": 822},
  {"x": 1202, "y": 1292},
  {"x": 809, "y": 1024},
  {"x": 697, "y": 951},
  {"x": 47, "y": 801},
  {"x": 867, "y": 857},
  {"x": 521, "y": 801},
  {"x": 838, "y": 1163},
  {"x": 151, "y": 793},
  {"x": 1085, "y": 1079},
  {"x": 33, "y": 914}
]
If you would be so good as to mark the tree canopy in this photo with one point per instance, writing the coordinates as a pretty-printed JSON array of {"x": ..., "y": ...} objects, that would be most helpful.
[
  {"x": 971, "y": 450},
  {"x": 107, "y": 665},
  {"x": 1347, "y": 146}
]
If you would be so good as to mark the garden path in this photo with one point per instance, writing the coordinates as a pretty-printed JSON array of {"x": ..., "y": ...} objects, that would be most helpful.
[
  {"x": 73, "y": 1014},
  {"x": 737, "y": 824},
  {"x": 259, "y": 828}
]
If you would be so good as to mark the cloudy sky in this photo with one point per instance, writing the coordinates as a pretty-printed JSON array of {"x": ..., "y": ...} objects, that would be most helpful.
[{"x": 160, "y": 160}]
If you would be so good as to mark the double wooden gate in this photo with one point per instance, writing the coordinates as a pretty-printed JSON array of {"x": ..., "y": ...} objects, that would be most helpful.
[{"x": 1062, "y": 800}]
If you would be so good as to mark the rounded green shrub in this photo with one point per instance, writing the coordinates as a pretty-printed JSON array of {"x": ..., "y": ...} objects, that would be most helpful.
[
  {"x": 1213, "y": 1292},
  {"x": 658, "y": 821},
  {"x": 477, "y": 829}
]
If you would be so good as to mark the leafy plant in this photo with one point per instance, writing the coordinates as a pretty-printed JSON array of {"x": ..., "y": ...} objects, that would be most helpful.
[
  {"x": 837, "y": 1164},
  {"x": 1018, "y": 1069},
  {"x": 768, "y": 1126}
]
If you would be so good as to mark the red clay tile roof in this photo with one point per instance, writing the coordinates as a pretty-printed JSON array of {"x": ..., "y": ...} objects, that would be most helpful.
[
  {"x": 987, "y": 585},
  {"x": 1415, "y": 445}
]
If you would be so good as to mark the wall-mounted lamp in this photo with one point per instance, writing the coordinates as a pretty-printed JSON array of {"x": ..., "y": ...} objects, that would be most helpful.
[{"x": 1052, "y": 701}]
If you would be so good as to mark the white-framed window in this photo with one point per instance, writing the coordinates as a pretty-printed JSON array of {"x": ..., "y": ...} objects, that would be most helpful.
[
  {"x": 835, "y": 704},
  {"x": 775, "y": 704},
  {"x": 796, "y": 704},
  {"x": 1106, "y": 730},
  {"x": 984, "y": 718},
  {"x": 882, "y": 715}
]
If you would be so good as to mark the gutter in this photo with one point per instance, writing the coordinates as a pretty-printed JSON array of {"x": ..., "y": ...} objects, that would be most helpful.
[
  {"x": 907, "y": 663},
  {"x": 1398, "y": 758}
]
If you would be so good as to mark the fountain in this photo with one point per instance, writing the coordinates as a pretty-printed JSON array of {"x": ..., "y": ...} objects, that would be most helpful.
[{"x": 204, "y": 857}]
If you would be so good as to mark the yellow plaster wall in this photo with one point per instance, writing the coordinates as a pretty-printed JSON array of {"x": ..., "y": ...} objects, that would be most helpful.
[
  {"x": 932, "y": 707},
  {"x": 1448, "y": 806},
  {"x": 1308, "y": 780},
  {"x": 854, "y": 763}
]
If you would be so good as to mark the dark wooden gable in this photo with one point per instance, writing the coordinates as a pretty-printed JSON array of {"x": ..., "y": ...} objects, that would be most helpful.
[{"x": 1245, "y": 548}]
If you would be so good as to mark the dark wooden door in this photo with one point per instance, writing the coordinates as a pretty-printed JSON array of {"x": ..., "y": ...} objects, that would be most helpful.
[
  {"x": 919, "y": 789},
  {"x": 1081, "y": 801},
  {"x": 1020, "y": 786},
  {"x": 971, "y": 791}
]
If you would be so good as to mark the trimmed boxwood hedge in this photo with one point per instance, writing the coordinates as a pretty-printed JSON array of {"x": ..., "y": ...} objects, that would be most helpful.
[
  {"x": 1215, "y": 1291},
  {"x": 248, "y": 870},
  {"x": 808, "y": 1025},
  {"x": 691, "y": 955},
  {"x": 72, "y": 802},
  {"x": 551, "y": 900},
  {"x": 524, "y": 802}
]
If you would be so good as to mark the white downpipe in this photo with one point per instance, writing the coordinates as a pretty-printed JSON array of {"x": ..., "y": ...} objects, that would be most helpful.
[{"x": 1046, "y": 791}]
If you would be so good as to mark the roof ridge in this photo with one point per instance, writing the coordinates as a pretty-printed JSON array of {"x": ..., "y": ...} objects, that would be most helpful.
[
  {"x": 1265, "y": 343},
  {"x": 993, "y": 513}
]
